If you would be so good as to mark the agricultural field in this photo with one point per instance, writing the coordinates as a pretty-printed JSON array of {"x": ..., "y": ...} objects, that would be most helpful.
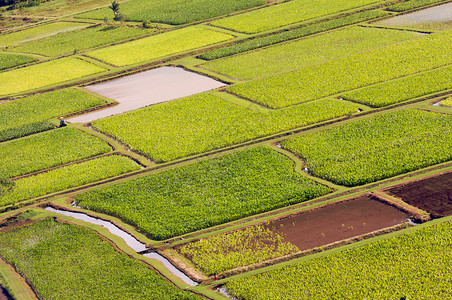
[
  {"x": 204, "y": 194},
  {"x": 39, "y": 32},
  {"x": 86, "y": 265},
  {"x": 175, "y": 12},
  {"x": 447, "y": 102},
  {"x": 236, "y": 249},
  {"x": 13, "y": 60},
  {"x": 293, "y": 12},
  {"x": 159, "y": 46},
  {"x": 412, "y": 4},
  {"x": 401, "y": 89},
  {"x": 47, "y": 149},
  {"x": 288, "y": 35},
  {"x": 67, "y": 177},
  {"x": 375, "y": 148},
  {"x": 305, "y": 52},
  {"x": 206, "y": 122},
  {"x": 79, "y": 40},
  {"x": 51, "y": 72},
  {"x": 363, "y": 69},
  {"x": 414, "y": 265}
]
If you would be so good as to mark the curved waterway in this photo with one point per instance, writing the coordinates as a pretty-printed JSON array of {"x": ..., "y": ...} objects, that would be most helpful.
[{"x": 130, "y": 240}]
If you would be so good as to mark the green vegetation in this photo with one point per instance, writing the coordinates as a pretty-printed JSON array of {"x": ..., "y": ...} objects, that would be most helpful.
[
  {"x": 204, "y": 122},
  {"x": 81, "y": 39},
  {"x": 39, "y": 32},
  {"x": 256, "y": 43},
  {"x": 158, "y": 46},
  {"x": 415, "y": 265},
  {"x": 402, "y": 89},
  {"x": 13, "y": 60},
  {"x": 56, "y": 8},
  {"x": 63, "y": 261},
  {"x": 350, "y": 72},
  {"x": 286, "y": 13},
  {"x": 175, "y": 11},
  {"x": 68, "y": 177},
  {"x": 204, "y": 194},
  {"x": 447, "y": 102},
  {"x": 375, "y": 148},
  {"x": 305, "y": 52},
  {"x": 51, "y": 72},
  {"x": 28, "y": 115},
  {"x": 239, "y": 248},
  {"x": 412, "y": 4},
  {"x": 6, "y": 186},
  {"x": 47, "y": 149}
]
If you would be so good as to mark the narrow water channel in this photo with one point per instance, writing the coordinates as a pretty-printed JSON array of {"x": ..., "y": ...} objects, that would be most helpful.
[{"x": 130, "y": 240}]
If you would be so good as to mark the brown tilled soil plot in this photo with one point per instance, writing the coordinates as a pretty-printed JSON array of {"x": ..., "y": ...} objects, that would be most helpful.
[
  {"x": 433, "y": 195},
  {"x": 338, "y": 221}
]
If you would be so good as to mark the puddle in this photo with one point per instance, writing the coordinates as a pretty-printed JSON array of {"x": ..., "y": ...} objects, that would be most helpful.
[
  {"x": 131, "y": 241},
  {"x": 147, "y": 88},
  {"x": 224, "y": 291},
  {"x": 437, "y": 14}
]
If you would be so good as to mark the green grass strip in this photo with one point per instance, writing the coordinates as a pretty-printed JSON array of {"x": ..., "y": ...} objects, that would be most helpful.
[
  {"x": 292, "y": 34},
  {"x": 159, "y": 45},
  {"x": 174, "y": 11},
  {"x": 52, "y": 72},
  {"x": 63, "y": 261},
  {"x": 414, "y": 265},
  {"x": 81, "y": 39},
  {"x": 13, "y": 60},
  {"x": 205, "y": 194},
  {"x": 43, "y": 107},
  {"x": 350, "y": 72},
  {"x": 47, "y": 149},
  {"x": 39, "y": 32},
  {"x": 204, "y": 122},
  {"x": 376, "y": 148},
  {"x": 412, "y": 4},
  {"x": 286, "y": 13},
  {"x": 402, "y": 89},
  {"x": 68, "y": 177},
  {"x": 302, "y": 53}
]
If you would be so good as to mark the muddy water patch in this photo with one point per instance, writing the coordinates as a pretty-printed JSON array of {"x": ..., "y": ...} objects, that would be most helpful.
[
  {"x": 147, "y": 88},
  {"x": 337, "y": 221},
  {"x": 130, "y": 240}
]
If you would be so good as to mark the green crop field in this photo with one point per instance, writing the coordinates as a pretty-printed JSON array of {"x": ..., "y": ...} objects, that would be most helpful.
[
  {"x": 291, "y": 34},
  {"x": 412, "y": 4},
  {"x": 24, "y": 130},
  {"x": 81, "y": 40},
  {"x": 205, "y": 193},
  {"x": 13, "y": 60},
  {"x": 205, "y": 122},
  {"x": 415, "y": 265},
  {"x": 39, "y": 32},
  {"x": 52, "y": 72},
  {"x": 286, "y": 13},
  {"x": 402, "y": 89},
  {"x": 175, "y": 11},
  {"x": 47, "y": 149},
  {"x": 239, "y": 248},
  {"x": 375, "y": 148},
  {"x": 63, "y": 261},
  {"x": 447, "y": 102},
  {"x": 305, "y": 52},
  {"x": 358, "y": 70},
  {"x": 68, "y": 177},
  {"x": 159, "y": 46}
]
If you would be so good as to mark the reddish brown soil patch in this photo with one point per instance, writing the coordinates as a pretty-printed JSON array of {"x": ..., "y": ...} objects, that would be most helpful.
[
  {"x": 4, "y": 295},
  {"x": 338, "y": 221},
  {"x": 433, "y": 195}
]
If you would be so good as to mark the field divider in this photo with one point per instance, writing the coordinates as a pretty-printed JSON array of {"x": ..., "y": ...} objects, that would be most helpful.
[{"x": 16, "y": 284}]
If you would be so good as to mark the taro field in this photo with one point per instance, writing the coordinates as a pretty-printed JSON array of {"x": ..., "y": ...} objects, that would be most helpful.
[{"x": 210, "y": 149}]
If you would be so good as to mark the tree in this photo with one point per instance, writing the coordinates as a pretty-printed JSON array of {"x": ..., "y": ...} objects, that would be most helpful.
[{"x": 115, "y": 8}]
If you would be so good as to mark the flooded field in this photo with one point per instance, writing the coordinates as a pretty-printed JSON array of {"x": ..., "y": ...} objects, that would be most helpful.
[
  {"x": 338, "y": 221},
  {"x": 147, "y": 88},
  {"x": 433, "y": 195},
  {"x": 431, "y": 18}
]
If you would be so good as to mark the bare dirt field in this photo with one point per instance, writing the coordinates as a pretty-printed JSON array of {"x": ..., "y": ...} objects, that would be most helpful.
[
  {"x": 433, "y": 194},
  {"x": 147, "y": 88},
  {"x": 338, "y": 221}
]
